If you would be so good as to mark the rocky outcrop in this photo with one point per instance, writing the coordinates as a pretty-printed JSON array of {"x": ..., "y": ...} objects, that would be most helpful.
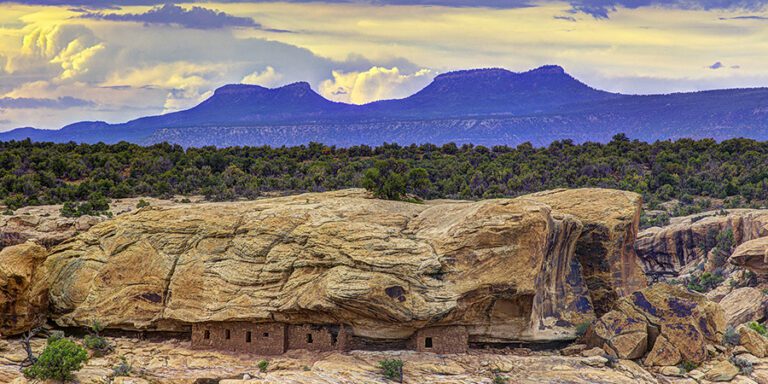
[
  {"x": 44, "y": 224},
  {"x": 605, "y": 248},
  {"x": 744, "y": 305},
  {"x": 504, "y": 268},
  {"x": 752, "y": 255},
  {"x": 755, "y": 343},
  {"x": 21, "y": 306},
  {"x": 670, "y": 249},
  {"x": 174, "y": 362},
  {"x": 663, "y": 324}
]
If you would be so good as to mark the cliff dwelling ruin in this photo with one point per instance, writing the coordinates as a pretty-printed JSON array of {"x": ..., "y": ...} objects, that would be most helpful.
[{"x": 277, "y": 338}]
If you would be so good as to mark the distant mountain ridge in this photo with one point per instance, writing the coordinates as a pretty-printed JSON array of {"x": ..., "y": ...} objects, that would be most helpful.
[{"x": 480, "y": 106}]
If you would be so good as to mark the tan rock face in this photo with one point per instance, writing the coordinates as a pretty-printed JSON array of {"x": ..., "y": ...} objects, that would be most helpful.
[
  {"x": 45, "y": 225},
  {"x": 752, "y": 341},
  {"x": 174, "y": 362},
  {"x": 605, "y": 248},
  {"x": 21, "y": 306},
  {"x": 673, "y": 247},
  {"x": 744, "y": 305},
  {"x": 664, "y": 323},
  {"x": 752, "y": 255},
  {"x": 508, "y": 269},
  {"x": 722, "y": 371}
]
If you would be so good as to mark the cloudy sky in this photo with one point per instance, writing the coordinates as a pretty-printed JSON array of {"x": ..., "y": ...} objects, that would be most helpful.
[{"x": 63, "y": 61}]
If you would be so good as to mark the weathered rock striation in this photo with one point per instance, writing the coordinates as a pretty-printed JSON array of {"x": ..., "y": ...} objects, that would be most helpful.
[
  {"x": 507, "y": 269},
  {"x": 752, "y": 255},
  {"x": 45, "y": 225},
  {"x": 21, "y": 306},
  {"x": 664, "y": 325},
  {"x": 675, "y": 246},
  {"x": 605, "y": 248}
]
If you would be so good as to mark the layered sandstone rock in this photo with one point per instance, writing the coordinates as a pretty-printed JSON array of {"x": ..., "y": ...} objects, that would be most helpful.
[
  {"x": 605, "y": 248},
  {"x": 173, "y": 362},
  {"x": 675, "y": 246},
  {"x": 508, "y": 269},
  {"x": 752, "y": 255},
  {"x": 744, "y": 305},
  {"x": 665, "y": 324},
  {"x": 45, "y": 225},
  {"x": 21, "y": 306}
]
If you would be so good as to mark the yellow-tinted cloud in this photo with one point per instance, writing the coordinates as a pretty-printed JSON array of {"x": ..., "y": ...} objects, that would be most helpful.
[
  {"x": 74, "y": 59},
  {"x": 374, "y": 84},
  {"x": 269, "y": 77}
]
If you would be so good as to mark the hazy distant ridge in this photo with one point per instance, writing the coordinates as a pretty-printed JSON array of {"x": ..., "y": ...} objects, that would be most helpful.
[{"x": 482, "y": 106}]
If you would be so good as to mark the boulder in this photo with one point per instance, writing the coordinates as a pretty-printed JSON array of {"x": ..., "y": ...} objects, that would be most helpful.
[
  {"x": 385, "y": 268},
  {"x": 595, "y": 361},
  {"x": 21, "y": 305},
  {"x": 665, "y": 323},
  {"x": 722, "y": 371},
  {"x": 672, "y": 371},
  {"x": 743, "y": 305},
  {"x": 752, "y": 255},
  {"x": 605, "y": 247},
  {"x": 752, "y": 341},
  {"x": 663, "y": 353}
]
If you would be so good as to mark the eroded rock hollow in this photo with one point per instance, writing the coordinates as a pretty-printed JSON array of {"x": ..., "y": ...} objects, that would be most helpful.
[{"x": 523, "y": 269}]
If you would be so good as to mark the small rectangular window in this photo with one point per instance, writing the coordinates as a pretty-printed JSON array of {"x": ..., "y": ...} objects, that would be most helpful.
[
  {"x": 309, "y": 338},
  {"x": 428, "y": 342},
  {"x": 226, "y": 334},
  {"x": 266, "y": 334},
  {"x": 207, "y": 335},
  {"x": 248, "y": 336}
]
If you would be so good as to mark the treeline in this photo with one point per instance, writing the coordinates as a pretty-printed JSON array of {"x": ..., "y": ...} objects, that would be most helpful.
[{"x": 46, "y": 173}]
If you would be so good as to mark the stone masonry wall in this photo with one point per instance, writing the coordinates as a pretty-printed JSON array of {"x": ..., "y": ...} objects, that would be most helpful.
[
  {"x": 260, "y": 339},
  {"x": 443, "y": 340},
  {"x": 316, "y": 337}
]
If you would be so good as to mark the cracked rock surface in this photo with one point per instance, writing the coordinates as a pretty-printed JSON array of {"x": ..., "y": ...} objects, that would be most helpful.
[{"x": 508, "y": 269}]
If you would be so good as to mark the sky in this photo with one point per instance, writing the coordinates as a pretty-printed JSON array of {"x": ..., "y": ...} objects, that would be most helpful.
[{"x": 63, "y": 61}]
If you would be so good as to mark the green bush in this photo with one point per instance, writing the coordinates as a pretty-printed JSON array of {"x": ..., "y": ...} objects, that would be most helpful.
[
  {"x": 731, "y": 337},
  {"x": 122, "y": 369},
  {"x": 759, "y": 328},
  {"x": 95, "y": 342},
  {"x": 498, "y": 379},
  {"x": 704, "y": 283},
  {"x": 744, "y": 365},
  {"x": 55, "y": 335},
  {"x": 687, "y": 366},
  {"x": 263, "y": 365},
  {"x": 142, "y": 204},
  {"x": 99, "y": 345},
  {"x": 392, "y": 369},
  {"x": 58, "y": 361},
  {"x": 582, "y": 328},
  {"x": 97, "y": 204}
]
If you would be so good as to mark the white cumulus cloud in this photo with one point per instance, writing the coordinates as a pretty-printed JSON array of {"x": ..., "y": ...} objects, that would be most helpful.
[
  {"x": 269, "y": 78},
  {"x": 377, "y": 83}
]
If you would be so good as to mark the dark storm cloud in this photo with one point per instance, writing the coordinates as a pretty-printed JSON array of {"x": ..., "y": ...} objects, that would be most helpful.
[
  {"x": 600, "y": 9},
  {"x": 31, "y": 103},
  {"x": 169, "y": 14},
  {"x": 749, "y": 17},
  {"x": 716, "y": 65}
]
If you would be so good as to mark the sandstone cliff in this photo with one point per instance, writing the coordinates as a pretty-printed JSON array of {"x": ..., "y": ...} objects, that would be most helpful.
[
  {"x": 509, "y": 269},
  {"x": 45, "y": 225},
  {"x": 21, "y": 305},
  {"x": 605, "y": 248},
  {"x": 685, "y": 241},
  {"x": 752, "y": 255}
]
